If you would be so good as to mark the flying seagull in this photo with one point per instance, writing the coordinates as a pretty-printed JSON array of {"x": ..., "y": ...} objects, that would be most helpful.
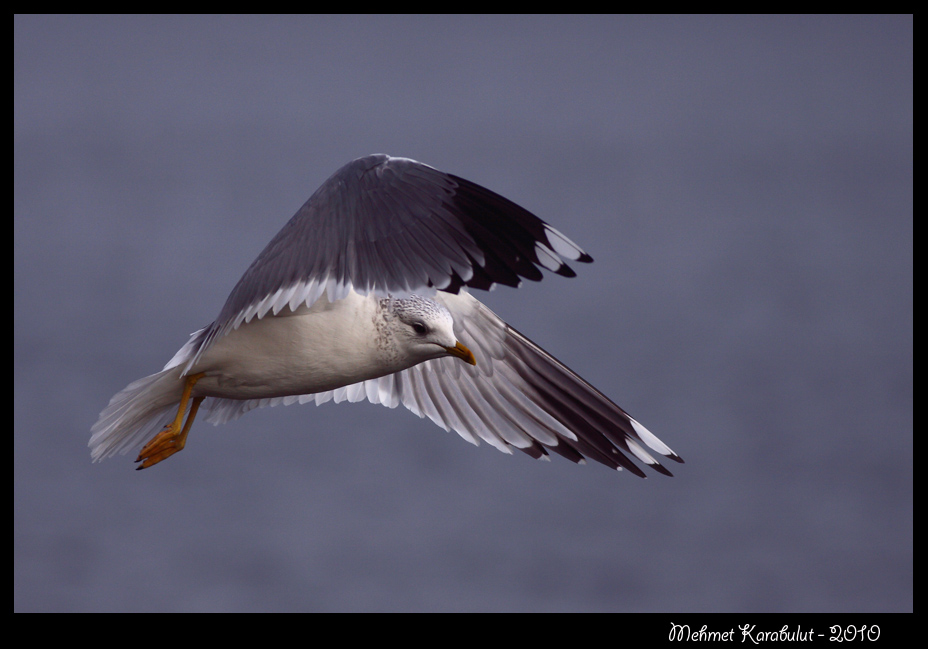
[{"x": 364, "y": 295}]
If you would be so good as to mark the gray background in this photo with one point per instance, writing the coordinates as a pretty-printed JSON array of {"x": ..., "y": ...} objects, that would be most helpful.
[{"x": 744, "y": 184}]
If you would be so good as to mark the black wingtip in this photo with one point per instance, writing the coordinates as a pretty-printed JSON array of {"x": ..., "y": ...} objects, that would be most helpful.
[{"x": 660, "y": 469}]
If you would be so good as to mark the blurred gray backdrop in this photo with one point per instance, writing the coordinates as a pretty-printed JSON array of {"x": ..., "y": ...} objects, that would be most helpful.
[{"x": 743, "y": 183}]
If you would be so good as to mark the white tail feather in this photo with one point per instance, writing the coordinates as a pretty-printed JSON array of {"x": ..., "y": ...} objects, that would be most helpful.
[{"x": 138, "y": 412}]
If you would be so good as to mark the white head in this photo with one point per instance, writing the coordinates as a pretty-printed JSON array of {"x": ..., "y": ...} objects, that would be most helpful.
[{"x": 423, "y": 329}]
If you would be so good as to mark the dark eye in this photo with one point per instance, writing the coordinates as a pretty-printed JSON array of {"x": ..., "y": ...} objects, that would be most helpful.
[{"x": 419, "y": 328}]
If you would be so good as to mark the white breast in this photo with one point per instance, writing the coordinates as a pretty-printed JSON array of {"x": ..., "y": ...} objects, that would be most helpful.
[{"x": 327, "y": 346}]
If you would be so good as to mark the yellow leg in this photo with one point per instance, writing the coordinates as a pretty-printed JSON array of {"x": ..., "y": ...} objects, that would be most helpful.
[{"x": 172, "y": 438}]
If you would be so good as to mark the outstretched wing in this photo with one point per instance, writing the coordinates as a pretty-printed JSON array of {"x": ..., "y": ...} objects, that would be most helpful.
[
  {"x": 517, "y": 396},
  {"x": 392, "y": 225}
]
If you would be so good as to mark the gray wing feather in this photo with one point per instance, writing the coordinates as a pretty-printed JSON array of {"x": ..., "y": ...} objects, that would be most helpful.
[
  {"x": 517, "y": 396},
  {"x": 393, "y": 225}
]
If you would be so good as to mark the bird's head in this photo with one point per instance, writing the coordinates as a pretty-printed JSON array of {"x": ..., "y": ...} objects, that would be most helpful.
[{"x": 424, "y": 330}]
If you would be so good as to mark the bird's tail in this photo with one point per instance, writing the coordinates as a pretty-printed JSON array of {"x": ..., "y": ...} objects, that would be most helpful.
[{"x": 137, "y": 413}]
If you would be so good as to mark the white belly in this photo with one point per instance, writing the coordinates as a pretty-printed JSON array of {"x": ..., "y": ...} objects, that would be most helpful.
[{"x": 315, "y": 349}]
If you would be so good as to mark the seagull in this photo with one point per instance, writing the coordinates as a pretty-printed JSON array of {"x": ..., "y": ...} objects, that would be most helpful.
[{"x": 364, "y": 294}]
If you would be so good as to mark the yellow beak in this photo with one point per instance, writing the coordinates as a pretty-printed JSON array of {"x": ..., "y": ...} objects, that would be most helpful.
[{"x": 462, "y": 352}]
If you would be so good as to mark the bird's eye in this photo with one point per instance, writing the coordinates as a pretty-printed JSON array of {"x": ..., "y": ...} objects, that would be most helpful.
[{"x": 419, "y": 328}]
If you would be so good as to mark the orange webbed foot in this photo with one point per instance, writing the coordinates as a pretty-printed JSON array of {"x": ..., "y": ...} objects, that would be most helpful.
[{"x": 172, "y": 437}]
